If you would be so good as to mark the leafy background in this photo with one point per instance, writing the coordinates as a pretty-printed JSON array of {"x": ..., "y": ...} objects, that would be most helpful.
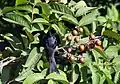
[{"x": 23, "y": 60}]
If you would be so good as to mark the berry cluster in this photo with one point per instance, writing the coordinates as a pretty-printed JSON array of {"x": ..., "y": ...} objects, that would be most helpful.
[{"x": 77, "y": 51}]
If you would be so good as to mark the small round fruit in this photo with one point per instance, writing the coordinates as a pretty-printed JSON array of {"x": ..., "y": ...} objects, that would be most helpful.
[
  {"x": 69, "y": 38},
  {"x": 98, "y": 42},
  {"x": 82, "y": 47},
  {"x": 77, "y": 39},
  {"x": 81, "y": 60},
  {"x": 75, "y": 32},
  {"x": 81, "y": 29},
  {"x": 90, "y": 45},
  {"x": 92, "y": 36},
  {"x": 71, "y": 58},
  {"x": 69, "y": 50}
]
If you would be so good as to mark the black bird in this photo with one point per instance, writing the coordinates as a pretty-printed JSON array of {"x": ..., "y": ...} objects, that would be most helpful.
[{"x": 50, "y": 41}]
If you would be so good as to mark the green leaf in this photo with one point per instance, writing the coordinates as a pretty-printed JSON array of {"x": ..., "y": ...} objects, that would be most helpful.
[
  {"x": 75, "y": 74},
  {"x": 95, "y": 75},
  {"x": 30, "y": 36},
  {"x": 33, "y": 58},
  {"x": 80, "y": 4},
  {"x": 21, "y": 7},
  {"x": 101, "y": 19},
  {"x": 89, "y": 18},
  {"x": 117, "y": 77},
  {"x": 51, "y": 82},
  {"x": 101, "y": 52},
  {"x": 116, "y": 62},
  {"x": 57, "y": 29},
  {"x": 60, "y": 8},
  {"x": 33, "y": 78},
  {"x": 35, "y": 11},
  {"x": 62, "y": 27},
  {"x": 58, "y": 77},
  {"x": 17, "y": 19},
  {"x": 19, "y": 2},
  {"x": 14, "y": 42},
  {"x": 83, "y": 10},
  {"x": 40, "y": 20},
  {"x": 115, "y": 13},
  {"x": 24, "y": 74},
  {"x": 112, "y": 34},
  {"x": 69, "y": 18},
  {"x": 112, "y": 51},
  {"x": 46, "y": 9}
]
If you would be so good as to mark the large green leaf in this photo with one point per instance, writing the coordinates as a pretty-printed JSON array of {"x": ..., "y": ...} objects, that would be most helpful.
[
  {"x": 112, "y": 51},
  {"x": 112, "y": 34},
  {"x": 17, "y": 19},
  {"x": 59, "y": 77},
  {"x": 33, "y": 58},
  {"x": 24, "y": 74},
  {"x": 89, "y": 18},
  {"x": 69, "y": 18},
  {"x": 33, "y": 78},
  {"x": 83, "y": 10},
  {"x": 60, "y": 8},
  {"x": 21, "y": 7}
]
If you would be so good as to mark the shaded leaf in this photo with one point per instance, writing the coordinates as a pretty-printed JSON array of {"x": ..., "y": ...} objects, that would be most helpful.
[
  {"x": 111, "y": 34},
  {"x": 30, "y": 36},
  {"x": 17, "y": 19},
  {"x": 21, "y": 7}
]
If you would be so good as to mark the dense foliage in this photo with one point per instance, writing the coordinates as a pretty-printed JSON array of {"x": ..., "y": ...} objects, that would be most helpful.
[{"x": 89, "y": 47}]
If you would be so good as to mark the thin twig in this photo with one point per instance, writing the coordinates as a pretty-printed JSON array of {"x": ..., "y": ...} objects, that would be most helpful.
[{"x": 10, "y": 59}]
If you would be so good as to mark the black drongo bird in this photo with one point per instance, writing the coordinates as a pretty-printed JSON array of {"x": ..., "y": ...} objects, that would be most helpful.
[{"x": 50, "y": 41}]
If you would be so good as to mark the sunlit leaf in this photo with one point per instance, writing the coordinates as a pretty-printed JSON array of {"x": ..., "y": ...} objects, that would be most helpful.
[{"x": 89, "y": 18}]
